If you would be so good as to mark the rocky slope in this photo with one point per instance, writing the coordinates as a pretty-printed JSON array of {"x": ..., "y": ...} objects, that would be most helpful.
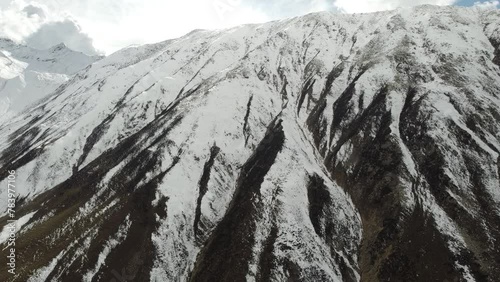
[
  {"x": 28, "y": 75},
  {"x": 321, "y": 148}
]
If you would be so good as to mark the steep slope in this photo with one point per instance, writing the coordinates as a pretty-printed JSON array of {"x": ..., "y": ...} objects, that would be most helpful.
[
  {"x": 28, "y": 75},
  {"x": 321, "y": 148}
]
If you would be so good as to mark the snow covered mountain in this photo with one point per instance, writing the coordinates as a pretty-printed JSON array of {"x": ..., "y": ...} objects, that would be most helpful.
[
  {"x": 326, "y": 147},
  {"x": 28, "y": 75}
]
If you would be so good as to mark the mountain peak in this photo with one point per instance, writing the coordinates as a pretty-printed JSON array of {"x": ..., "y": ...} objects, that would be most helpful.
[
  {"x": 28, "y": 75},
  {"x": 59, "y": 47},
  {"x": 319, "y": 148}
]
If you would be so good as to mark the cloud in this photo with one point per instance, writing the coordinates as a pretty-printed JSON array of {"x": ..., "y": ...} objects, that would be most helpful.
[
  {"x": 365, "y": 6},
  {"x": 35, "y": 10},
  {"x": 113, "y": 24},
  {"x": 40, "y": 27},
  {"x": 290, "y": 8},
  {"x": 15, "y": 23},
  {"x": 67, "y": 32},
  {"x": 149, "y": 21},
  {"x": 487, "y": 4}
]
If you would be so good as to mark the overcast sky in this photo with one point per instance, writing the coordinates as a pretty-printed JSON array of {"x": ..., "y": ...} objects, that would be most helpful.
[{"x": 104, "y": 26}]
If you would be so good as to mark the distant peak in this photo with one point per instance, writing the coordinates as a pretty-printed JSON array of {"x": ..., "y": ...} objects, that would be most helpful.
[
  {"x": 6, "y": 39},
  {"x": 7, "y": 42},
  {"x": 59, "y": 47}
]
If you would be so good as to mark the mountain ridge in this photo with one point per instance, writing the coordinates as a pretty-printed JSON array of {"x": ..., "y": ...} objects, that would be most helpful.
[
  {"x": 29, "y": 75},
  {"x": 319, "y": 148}
]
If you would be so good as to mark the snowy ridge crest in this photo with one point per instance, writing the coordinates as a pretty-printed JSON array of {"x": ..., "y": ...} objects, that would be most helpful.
[{"x": 321, "y": 148}]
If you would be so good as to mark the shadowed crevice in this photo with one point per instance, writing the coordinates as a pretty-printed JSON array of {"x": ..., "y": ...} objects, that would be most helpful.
[
  {"x": 321, "y": 215},
  {"x": 319, "y": 197},
  {"x": 101, "y": 129},
  {"x": 93, "y": 138},
  {"x": 20, "y": 151},
  {"x": 267, "y": 260},
  {"x": 374, "y": 110},
  {"x": 203, "y": 186},
  {"x": 246, "y": 127},
  {"x": 316, "y": 122},
  {"x": 343, "y": 105},
  {"x": 496, "y": 44},
  {"x": 228, "y": 251},
  {"x": 133, "y": 258},
  {"x": 306, "y": 91}
]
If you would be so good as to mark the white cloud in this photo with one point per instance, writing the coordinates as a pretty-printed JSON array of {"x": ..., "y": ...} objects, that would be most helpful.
[
  {"x": 35, "y": 10},
  {"x": 148, "y": 21},
  {"x": 365, "y": 6},
  {"x": 288, "y": 8},
  {"x": 67, "y": 31},
  {"x": 40, "y": 27},
  {"x": 114, "y": 24},
  {"x": 15, "y": 23},
  {"x": 487, "y": 4}
]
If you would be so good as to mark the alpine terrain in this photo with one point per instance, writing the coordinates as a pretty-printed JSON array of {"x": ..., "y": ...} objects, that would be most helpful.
[
  {"x": 328, "y": 147},
  {"x": 28, "y": 75}
]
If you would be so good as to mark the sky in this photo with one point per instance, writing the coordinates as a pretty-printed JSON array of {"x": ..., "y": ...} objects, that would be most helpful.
[{"x": 104, "y": 26}]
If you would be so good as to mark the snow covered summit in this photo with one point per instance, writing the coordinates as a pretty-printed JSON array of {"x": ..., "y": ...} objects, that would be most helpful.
[
  {"x": 28, "y": 75},
  {"x": 326, "y": 147}
]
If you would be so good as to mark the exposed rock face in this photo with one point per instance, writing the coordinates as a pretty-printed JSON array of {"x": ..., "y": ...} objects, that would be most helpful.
[{"x": 322, "y": 148}]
